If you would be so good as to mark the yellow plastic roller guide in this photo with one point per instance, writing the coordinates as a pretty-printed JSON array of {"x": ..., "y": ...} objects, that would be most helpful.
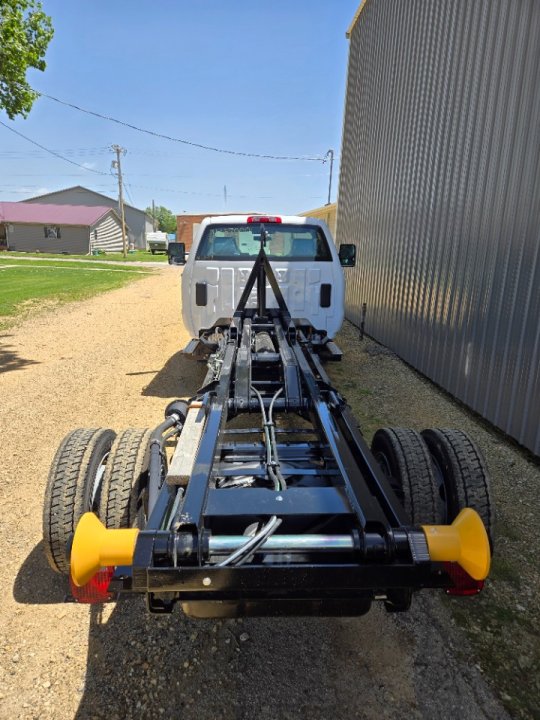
[
  {"x": 95, "y": 547},
  {"x": 465, "y": 541}
]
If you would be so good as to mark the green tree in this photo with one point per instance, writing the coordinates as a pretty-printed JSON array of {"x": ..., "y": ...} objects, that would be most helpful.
[
  {"x": 165, "y": 220},
  {"x": 25, "y": 33}
]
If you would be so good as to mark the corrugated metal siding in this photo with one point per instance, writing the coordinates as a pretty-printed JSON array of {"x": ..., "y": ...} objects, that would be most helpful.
[
  {"x": 31, "y": 238},
  {"x": 440, "y": 190},
  {"x": 107, "y": 234}
]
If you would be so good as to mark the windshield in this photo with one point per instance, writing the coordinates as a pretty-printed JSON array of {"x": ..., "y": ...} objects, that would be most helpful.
[{"x": 283, "y": 242}]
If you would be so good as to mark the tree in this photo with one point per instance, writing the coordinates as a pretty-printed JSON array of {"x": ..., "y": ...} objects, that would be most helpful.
[
  {"x": 25, "y": 33},
  {"x": 166, "y": 221}
]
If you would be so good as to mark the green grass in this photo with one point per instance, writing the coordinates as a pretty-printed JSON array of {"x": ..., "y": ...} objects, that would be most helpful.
[
  {"x": 66, "y": 266},
  {"x": 25, "y": 287},
  {"x": 137, "y": 256}
]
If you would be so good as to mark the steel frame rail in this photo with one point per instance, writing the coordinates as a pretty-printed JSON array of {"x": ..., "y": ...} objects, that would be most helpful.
[{"x": 335, "y": 485}]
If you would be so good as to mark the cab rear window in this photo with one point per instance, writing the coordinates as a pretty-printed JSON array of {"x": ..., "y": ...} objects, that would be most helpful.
[{"x": 283, "y": 242}]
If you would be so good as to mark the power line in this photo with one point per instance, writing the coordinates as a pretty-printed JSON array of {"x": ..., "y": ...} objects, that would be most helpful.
[
  {"x": 65, "y": 151},
  {"x": 51, "y": 152},
  {"x": 175, "y": 139},
  {"x": 99, "y": 172},
  {"x": 128, "y": 191},
  {"x": 49, "y": 174}
]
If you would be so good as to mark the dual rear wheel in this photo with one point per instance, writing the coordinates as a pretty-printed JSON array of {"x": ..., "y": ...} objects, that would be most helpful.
[
  {"x": 93, "y": 471},
  {"x": 435, "y": 474}
]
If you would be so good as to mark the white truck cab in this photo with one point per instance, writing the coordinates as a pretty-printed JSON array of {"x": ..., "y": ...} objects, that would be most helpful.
[{"x": 303, "y": 257}]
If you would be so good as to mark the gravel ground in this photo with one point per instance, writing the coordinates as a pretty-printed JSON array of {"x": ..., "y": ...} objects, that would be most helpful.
[
  {"x": 503, "y": 622},
  {"x": 113, "y": 361}
]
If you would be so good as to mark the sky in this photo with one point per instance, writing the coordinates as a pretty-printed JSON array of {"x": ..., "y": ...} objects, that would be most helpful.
[{"x": 245, "y": 75}]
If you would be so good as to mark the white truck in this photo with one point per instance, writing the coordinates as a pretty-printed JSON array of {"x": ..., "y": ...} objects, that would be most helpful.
[{"x": 303, "y": 257}]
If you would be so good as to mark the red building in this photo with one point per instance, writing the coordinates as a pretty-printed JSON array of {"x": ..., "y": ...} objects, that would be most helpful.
[{"x": 187, "y": 225}]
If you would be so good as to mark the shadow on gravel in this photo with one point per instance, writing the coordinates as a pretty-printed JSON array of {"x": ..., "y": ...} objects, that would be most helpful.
[
  {"x": 10, "y": 359},
  {"x": 181, "y": 376},
  {"x": 142, "y": 666},
  {"x": 36, "y": 583}
]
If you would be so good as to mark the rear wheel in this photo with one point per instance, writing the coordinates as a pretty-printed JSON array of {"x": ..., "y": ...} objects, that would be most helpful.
[
  {"x": 73, "y": 488},
  {"x": 461, "y": 476},
  {"x": 126, "y": 477},
  {"x": 405, "y": 460}
]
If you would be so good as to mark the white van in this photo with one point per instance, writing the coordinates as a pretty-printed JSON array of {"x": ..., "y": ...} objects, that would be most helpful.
[{"x": 303, "y": 257}]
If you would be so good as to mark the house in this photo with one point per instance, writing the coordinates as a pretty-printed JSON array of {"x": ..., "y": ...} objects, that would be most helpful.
[
  {"x": 138, "y": 222},
  {"x": 71, "y": 229}
]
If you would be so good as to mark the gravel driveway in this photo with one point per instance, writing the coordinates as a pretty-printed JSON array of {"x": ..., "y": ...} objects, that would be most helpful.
[{"x": 114, "y": 361}]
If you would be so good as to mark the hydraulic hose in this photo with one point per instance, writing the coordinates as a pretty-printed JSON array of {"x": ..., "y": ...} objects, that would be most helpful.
[
  {"x": 272, "y": 428},
  {"x": 253, "y": 543},
  {"x": 246, "y": 551},
  {"x": 268, "y": 442},
  {"x": 157, "y": 458}
]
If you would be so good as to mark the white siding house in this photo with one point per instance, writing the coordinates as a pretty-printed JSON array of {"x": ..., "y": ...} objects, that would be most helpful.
[
  {"x": 69, "y": 229},
  {"x": 137, "y": 221}
]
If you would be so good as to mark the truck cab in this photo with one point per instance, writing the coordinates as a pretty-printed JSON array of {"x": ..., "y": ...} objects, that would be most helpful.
[{"x": 303, "y": 257}]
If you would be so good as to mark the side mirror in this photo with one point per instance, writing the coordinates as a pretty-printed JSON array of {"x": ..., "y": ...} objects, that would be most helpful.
[
  {"x": 347, "y": 254},
  {"x": 176, "y": 253}
]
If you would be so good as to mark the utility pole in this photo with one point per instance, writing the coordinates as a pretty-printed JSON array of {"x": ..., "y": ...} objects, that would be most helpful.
[
  {"x": 154, "y": 215},
  {"x": 330, "y": 154},
  {"x": 117, "y": 165}
]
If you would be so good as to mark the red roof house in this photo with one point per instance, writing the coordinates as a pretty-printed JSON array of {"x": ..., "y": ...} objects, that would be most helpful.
[{"x": 68, "y": 229}]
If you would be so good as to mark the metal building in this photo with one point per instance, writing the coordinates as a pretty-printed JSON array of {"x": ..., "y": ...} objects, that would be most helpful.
[
  {"x": 440, "y": 191},
  {"x": 328, "y": 213}
]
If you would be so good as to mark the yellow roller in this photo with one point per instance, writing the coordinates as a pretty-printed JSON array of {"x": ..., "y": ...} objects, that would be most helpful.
[
  {"x": 95, "y": 547},
  {"x": 465, "y": 541}
]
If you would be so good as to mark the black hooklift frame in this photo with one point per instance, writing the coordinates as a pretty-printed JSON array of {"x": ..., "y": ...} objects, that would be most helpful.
[{"x": 288, "y": 517}]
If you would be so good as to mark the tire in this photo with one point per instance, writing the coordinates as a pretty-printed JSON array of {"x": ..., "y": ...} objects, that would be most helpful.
[
  {"x": 125, "y": 480},
  {"x": 462, "y": 477},
  {"x": 405, "y": 460},
  {"x": 153, "y": 252},
  {"x": 73, "y": 488}
]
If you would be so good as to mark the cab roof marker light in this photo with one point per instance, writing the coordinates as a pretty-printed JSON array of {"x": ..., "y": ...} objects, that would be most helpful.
[{"x": 264, "y": 219}]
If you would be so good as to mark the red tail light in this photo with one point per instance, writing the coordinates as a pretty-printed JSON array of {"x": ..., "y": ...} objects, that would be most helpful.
[
  {"x": 464, "y": 584},
  {"x": 263, "y": 219},
  {"x": 96, "y": 589}
]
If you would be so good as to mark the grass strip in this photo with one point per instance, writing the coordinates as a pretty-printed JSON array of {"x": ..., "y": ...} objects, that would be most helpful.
[
  {"x": 66, "y": 265},
  {"x": 138, "y": 256},
  {"x": 26, "y": 288}
]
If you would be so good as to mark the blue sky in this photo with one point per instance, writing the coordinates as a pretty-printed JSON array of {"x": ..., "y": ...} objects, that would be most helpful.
[{"x": 247, "y": 75}]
